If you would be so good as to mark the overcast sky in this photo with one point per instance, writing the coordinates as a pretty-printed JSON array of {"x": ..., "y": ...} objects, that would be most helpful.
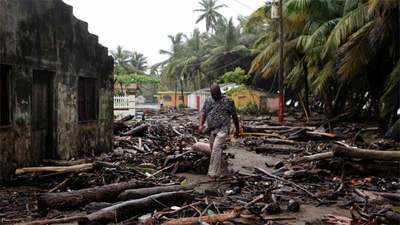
[{"x": 143, "y": 25}]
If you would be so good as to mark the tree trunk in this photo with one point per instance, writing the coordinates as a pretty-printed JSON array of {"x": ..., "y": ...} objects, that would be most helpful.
[
  {"x": 176, "y": 94},
  {"x": 306, "y": 89},
  {"x": 183, "y": 97},
  {"x": 76, "y": 198},
  {"x": 328, "y": 107},
  {"x": 122, "y": 88}
]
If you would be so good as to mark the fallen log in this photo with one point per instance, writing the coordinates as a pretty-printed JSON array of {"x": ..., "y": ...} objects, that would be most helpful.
[
  {"x": 128, "y": 209},
  {"x": 68, "y": 220},
  {"x": 80, "y": 197},
  {"x": 55, "y": 169},
  {"x": 137, "y": 131},
  {"x": 202, "y": 147},
  {"x": 207, "y": 219},
  {"x": 341, "y": 151},
  {"x": 144, "y": 192},
  {"x": 311, "y": 158}
]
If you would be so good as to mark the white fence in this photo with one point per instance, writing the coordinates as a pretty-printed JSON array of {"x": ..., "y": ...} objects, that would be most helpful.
[{"x": 124, "y": 105}]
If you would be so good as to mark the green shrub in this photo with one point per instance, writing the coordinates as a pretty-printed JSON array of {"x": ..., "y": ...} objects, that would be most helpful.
[
  {"x": 182, "y": 106},
  {"x": 237, "y": 76}
]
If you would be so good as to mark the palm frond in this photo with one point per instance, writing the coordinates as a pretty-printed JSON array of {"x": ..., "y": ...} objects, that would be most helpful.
[
  {"x": 349, "y": 24},
  {"x": 357, "y": 53},
  {"x": 324, "y": 78}
]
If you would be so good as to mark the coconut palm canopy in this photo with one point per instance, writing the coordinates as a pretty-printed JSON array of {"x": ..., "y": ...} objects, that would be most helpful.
[
  {"x": 342, "y": 54},
  {"x": 209, "y": 13}
]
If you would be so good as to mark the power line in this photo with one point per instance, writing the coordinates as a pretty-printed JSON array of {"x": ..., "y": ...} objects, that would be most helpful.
[{"x": 245, "y": 5}]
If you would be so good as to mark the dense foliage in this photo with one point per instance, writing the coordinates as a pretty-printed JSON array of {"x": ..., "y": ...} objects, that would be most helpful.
[{"x": 342, "y": 54}]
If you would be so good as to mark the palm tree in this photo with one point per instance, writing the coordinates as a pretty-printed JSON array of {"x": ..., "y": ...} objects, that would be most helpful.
[
  {"x": 121, "y": 57},
  {"x": 302, "y": 18},
  {"x": 171, "y": 70},
  {"x": 139, "y": 61},
  {"x": 209, "y": 13},
  {"x": 127, "y": 65},
  {"x": 365, "y": 42}
]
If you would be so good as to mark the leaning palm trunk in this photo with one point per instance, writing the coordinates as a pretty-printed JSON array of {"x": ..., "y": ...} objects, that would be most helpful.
[
  {"x": 306, "y": 89},
  {"x": 122, "y": 88},
  {"x": 183, "y": 97}
]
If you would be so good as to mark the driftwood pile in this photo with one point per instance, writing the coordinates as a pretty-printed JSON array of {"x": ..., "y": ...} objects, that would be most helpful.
[{"x": 138, "y": 183}]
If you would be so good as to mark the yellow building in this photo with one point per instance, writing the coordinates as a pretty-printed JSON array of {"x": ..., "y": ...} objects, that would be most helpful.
[
  {"x": 244, "y": 97},
  {"x": 172, "y": 98}
]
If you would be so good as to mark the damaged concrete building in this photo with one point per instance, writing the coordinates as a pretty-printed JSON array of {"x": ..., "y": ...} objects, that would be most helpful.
[{"x": 56, "y": 86}]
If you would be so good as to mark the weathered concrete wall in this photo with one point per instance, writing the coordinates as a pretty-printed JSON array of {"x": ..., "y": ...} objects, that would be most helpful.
[{"x": 45, "y": 35}]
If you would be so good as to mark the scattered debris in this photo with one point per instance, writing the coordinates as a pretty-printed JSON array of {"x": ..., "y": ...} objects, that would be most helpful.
[{"x": 147, "y": 178}]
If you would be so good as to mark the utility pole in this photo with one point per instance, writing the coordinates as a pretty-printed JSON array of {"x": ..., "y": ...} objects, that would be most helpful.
[
  {"x": 281, "y": 115},
  {"x": 277, "y": 13}
]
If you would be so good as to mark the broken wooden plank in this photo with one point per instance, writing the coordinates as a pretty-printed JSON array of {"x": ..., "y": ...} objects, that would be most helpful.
[{"x": 55, "y": 169}]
